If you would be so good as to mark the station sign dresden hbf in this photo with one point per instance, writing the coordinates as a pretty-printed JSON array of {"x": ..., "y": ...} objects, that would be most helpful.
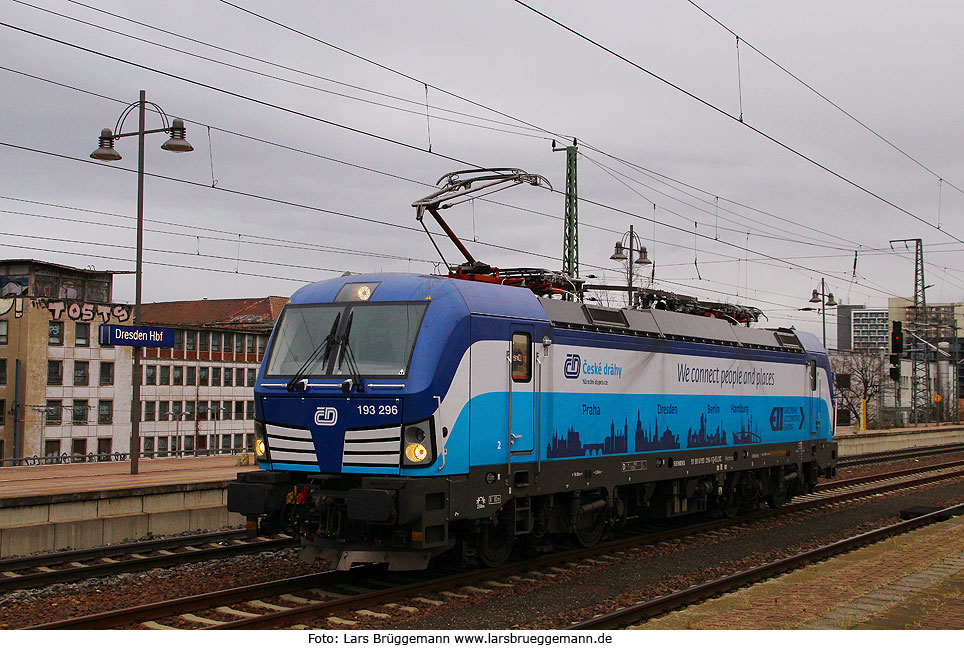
[{"x": 137, "y": 336}]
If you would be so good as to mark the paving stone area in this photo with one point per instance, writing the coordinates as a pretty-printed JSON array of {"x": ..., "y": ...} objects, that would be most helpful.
[{"x": 914, "y": 581}]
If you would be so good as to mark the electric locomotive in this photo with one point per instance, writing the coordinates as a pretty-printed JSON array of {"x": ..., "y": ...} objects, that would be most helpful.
[{"x": 400, "y": 417}]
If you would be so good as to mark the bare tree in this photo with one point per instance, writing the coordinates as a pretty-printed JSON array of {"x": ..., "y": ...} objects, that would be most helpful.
[{"x": 859, "y": 376}]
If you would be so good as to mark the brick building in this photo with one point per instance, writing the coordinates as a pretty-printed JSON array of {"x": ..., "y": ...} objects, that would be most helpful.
[
  {"x": 199, "y": 395},
  {"x": 60, "y": 392},
  {"x": 62, "y": 395}
]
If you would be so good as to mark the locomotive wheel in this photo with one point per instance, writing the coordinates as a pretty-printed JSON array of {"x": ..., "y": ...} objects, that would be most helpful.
[
  {"x": 588, "y": 529},
  {"x": 495, "y": 544}
]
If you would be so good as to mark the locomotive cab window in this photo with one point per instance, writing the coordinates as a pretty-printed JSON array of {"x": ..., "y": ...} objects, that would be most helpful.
[{"x": 521, "y": 357}]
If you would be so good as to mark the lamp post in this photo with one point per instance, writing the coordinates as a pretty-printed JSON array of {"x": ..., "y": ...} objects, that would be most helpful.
[
  {"x": 630, "y": 243},
  {"x": 105, "y": 151},
  {"x": 826, "y": 300}
]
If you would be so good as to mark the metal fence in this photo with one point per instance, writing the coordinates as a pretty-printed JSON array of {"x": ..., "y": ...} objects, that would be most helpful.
[{"x": 117, "y": 457}]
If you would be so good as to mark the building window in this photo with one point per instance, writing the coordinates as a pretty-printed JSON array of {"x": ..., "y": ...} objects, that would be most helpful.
[
  {"x": 215, "y": 341},
  {"x": 105, "y": 411},
  {"x": 79, "y": 412},
  {"x": 191, "y": 376},
  {"x": 225, "y": 443},
  {"x": 162, "y": 446},
  {"x": 3, "y": 372},
  {"x": 4, "y": 325},
  {"x": 202, "y": 376},
  {"x": 202, "y": 410},
  {"x": 215, "y": 376},
  {"x": 165, "y": 379},
  {"x": 104, "y": 448},
  {"x": 3, "y": 416},
  {"x": 55, "y": 372},
  {"x": 228, "y": 377},
  {"x": 202, "y": 442},
  {"x": 249, "y": 347},
  {"x": 55, "y": 409},
  {"x": 249, "y": 441},
  {"x": 162, "y": 410},
  {"x": 203, "y": 341},
  {"x": 150, "y": 375},
  {"x": 106, "y": 373},
  {"x": 189, "y": 410},
  {"x": 82, "y": 335},
  {"x": 249, "y": 410},
  {"x": 226, "y": 411},
  {"x": 78, "y": 448},
  {"x": 148, "y": 447},
  {"x": 149, "y": 411},
  {"x": 239, "y": 376},
  {"x": 178, "y": 339},
  {"x": 238, "y": 440},
  {"x": 251, "y": 377},
  {"x": 238, "y": 343},
  {"x": 55, "y": 333},
  {"x": 178, "y": 375},
  {"x": 81, "y": 373},
  {"x": 189, "y": 443},
  {"x": 262, "y": 344},
  {"x": 239, "y": 410},
  {"x": 190, "y": 338},
  {"x": 176, "y": 409},
  {"x": 52, "y": 448}
]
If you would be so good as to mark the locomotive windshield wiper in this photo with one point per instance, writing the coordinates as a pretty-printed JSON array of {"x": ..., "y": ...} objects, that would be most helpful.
[
  {"x": 348, "y": 357},
  {"x": 299, "y": 380}
]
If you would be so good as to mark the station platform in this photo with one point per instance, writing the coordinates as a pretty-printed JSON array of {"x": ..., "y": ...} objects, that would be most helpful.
[
  {"x": 911, "y": 582},
  {"x": 854, "y": 442},
  {"x": 82, "y": 505}
]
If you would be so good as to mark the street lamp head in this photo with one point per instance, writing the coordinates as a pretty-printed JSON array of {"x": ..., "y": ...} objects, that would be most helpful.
[
  {"x": 830, "y": 301},
  {"x": 644, "y": 258},
  {"x": 815, "y": 297},
  {"x": 177, "y": 143},
  {"x": 105, "y": 150},
  {"x": 618, "y": 255}
]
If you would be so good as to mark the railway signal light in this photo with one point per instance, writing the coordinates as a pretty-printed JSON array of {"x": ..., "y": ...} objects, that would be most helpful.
[{"x": 897, "y": 337}]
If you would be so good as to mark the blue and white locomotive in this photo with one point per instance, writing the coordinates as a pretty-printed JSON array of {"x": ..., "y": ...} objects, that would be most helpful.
[{"x": 403, "y": 416}]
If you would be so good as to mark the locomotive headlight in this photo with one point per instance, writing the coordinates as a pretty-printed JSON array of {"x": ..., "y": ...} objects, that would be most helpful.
[
  {"x": 364, "y": 292},
  {"x": 260, "y": 441},
  {"x": 418, "y": 443},
  {"x": 416, "y": 452}
]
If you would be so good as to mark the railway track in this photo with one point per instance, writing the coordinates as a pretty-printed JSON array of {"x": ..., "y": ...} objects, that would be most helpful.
[
  {"x": 369, "y": 593},
  {"x": 640, "y": 612},
  {"x": 70, "y": 566}
]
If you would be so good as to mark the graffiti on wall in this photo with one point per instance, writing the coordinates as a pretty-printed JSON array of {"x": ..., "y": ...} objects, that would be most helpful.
[
  {"x": 13, "y": 285},
  {"x": 85, "y": 311},
  {"x": 14, "y": 304},
  {"x": 78, "y": 311}
]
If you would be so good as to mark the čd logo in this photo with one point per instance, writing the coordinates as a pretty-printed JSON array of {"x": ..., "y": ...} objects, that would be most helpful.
[
  {"x": 326, "y": 416},
  {"x": 573, "y": 364}
]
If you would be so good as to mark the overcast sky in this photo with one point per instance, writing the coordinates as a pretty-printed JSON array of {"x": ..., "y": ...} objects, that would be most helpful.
[{"x": 309, "y": 169}]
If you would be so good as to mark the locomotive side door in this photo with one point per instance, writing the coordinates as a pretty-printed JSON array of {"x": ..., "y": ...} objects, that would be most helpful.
[
  {"x": 813, "y": 392},
  {"x": 520, "y": 375}
]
